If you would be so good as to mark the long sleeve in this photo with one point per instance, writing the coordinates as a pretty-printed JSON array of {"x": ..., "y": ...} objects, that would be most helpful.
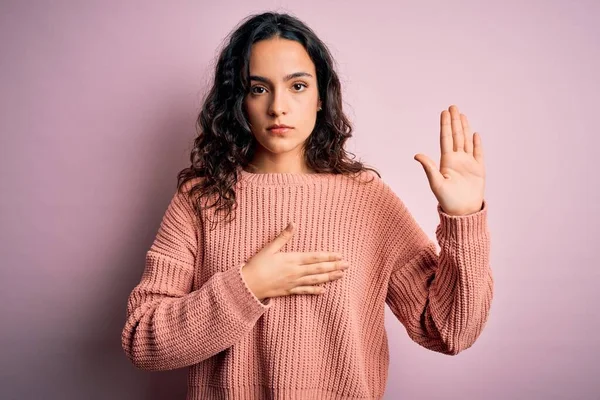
[
  {"x": 443, "y": 300},
  {"x": 168, "y": 325}
]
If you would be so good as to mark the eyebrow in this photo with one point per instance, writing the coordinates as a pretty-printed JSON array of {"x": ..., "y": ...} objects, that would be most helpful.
[{"x": 285, "y": 78}]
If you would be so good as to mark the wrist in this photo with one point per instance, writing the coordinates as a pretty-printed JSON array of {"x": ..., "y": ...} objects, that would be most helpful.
[{"x": 250, "y": 282}]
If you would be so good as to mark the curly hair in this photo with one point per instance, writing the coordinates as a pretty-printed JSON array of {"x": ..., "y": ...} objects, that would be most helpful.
[{"x": 225, "y": 141}]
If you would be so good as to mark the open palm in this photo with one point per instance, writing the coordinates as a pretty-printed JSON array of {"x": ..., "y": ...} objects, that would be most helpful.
[{"x": 459, "y": 183}]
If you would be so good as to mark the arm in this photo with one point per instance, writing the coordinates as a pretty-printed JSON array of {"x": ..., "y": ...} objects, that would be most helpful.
[
  {"x": 442, "y": 300},
  {"x": 168, "y": 326}
]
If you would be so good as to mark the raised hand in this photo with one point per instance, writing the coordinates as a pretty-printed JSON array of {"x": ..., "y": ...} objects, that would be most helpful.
[{"x": 459, "y": 183}]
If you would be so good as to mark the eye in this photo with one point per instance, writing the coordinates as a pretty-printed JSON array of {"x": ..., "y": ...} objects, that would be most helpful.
[
  {"x": 256, "y": 87},
  {"x": 300, "y": 84}
]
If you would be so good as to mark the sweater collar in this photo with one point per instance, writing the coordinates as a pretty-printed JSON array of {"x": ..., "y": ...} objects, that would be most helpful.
[{"x": 281, "y": 178}]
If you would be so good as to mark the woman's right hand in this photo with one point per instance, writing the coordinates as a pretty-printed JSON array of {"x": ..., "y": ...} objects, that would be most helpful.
[{"x": 272, "y": 273}]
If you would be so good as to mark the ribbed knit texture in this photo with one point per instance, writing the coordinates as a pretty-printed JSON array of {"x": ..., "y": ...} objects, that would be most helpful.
[{"x": 192, "y": 307}]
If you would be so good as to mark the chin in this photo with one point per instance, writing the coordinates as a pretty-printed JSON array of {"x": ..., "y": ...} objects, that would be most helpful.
[{"x": 278, "y": 145}]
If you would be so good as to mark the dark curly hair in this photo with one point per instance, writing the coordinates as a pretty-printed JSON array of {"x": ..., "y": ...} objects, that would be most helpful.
[{"x": 225, "y": 141}]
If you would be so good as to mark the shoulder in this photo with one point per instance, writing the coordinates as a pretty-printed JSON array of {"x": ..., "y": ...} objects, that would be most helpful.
[
  {"x": 371, "y": 182},
  {"x": 373, "y": 194},
  {"x": 384, "y": 200},
  {"x": 190, "y": 183},
  {"x": 183, "y": 198}
]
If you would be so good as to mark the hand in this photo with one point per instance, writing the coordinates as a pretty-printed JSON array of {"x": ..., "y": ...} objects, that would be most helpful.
[
  {"x": 459, "y": 184},
  {"x": 271, "y": 273}
]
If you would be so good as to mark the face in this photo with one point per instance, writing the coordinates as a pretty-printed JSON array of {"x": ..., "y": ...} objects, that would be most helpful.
[{"x": 283, "y": 91}]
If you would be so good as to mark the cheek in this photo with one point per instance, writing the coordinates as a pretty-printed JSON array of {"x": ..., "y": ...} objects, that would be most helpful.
[
  {"x": 252, "y": 109},
  {"x": 309, "y": 113}
]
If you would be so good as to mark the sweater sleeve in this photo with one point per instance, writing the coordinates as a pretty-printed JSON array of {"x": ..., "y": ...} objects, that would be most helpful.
[
  {"x": 443, "y": 300},
  {"x": 169, "y": 326}
]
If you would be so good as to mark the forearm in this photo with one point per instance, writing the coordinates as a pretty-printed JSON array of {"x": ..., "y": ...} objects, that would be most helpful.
[{"x": 168, "y": 329}]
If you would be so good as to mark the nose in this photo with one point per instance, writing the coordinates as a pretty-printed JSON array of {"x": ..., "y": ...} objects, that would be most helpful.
[{"x": 278, "y": 105}]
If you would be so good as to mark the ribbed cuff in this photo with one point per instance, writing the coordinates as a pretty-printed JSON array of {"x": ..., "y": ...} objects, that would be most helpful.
[
  {"x": 235, "y": 289},
  {"x": 463, "y": 227}
]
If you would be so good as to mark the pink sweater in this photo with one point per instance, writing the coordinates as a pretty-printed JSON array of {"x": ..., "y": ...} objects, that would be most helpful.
[{"x": 192, "y": 307}]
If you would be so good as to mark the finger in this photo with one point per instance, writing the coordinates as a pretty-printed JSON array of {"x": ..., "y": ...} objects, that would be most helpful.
[
  {"x": 306, "y": 258},
  {"x": 322, "y": 267},
  {"x": 276, "y": 244},
  {"x": 445, "y": 133},
  {"x": 307, "y": 290},
  {"x": 477, "y": 147},
  {"x": 457, "y": 129},
  {"x": 468, "y": 134},
  {"x": 434, "y": 175},
  {"x": 320, "y": 278}
]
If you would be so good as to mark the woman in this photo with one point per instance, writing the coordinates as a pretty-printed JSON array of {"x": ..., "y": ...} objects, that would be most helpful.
[{"x": 259, "y": 310}]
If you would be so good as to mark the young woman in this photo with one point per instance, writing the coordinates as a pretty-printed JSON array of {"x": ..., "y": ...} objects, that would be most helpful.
[{"x": 275, "y": 258}]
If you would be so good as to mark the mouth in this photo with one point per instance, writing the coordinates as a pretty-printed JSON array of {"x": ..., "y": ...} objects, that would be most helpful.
[{"x": 279, "y": 129}]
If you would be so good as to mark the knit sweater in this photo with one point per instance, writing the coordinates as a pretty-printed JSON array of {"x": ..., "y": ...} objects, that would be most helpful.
[{"x": 193, "y": 308}]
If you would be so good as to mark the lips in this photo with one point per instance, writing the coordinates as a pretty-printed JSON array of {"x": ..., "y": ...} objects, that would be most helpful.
[
  {"x": 279, "y": 129},
  {"x": 277, "y": 126}
]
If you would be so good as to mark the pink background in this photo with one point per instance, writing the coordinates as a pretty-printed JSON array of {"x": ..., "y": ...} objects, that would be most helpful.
[{"x": 98, "y": 105}]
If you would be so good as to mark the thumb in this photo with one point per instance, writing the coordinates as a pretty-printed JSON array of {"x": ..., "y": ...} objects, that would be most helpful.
[
  {"x": 431, "y": 170},
  {"x": 281, "y": 239}
]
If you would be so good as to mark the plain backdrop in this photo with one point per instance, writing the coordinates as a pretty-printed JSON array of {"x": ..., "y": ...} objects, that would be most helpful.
[{"x": 97, "y": 115}]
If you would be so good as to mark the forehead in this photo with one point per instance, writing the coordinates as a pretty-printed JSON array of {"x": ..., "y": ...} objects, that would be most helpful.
[{"x": 277, "y": 57}]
